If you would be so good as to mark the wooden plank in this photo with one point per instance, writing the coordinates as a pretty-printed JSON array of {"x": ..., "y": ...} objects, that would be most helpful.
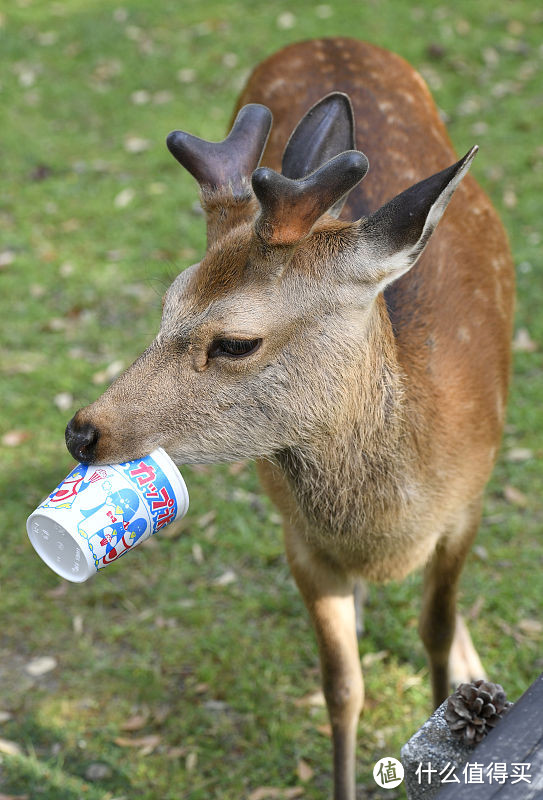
[{"x": 517, "y": 739}]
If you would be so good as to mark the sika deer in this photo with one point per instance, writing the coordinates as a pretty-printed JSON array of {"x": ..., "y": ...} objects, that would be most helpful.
[{"x": 362, "y": 360}]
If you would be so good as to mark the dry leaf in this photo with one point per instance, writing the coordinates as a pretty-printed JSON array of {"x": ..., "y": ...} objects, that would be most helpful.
[
  {"x": 7, "y": 257},
  {"x": 226, "y": 578},
  {"x": 40, "y": 666},
  {"x": 10, "y": 748},
  {"x": 58, "y": 591},
  {"x": 63, "y": 401},
  {"x": 293, "y": 792},
  {"x": 14, "y": 797},
  {"x": 197, "y": 554},
  {"x": 515, "y": 496},
  {"x": 109, "y": 373},
  {"x": 77, "y": 624},
  {"x": 191, "y": 761},
  {"x": 135, "y": 723},
  {"x": 523, "y": 342},
  {"x": 15, "y": 438},
  {"x": 237, "y": 467},
  {"x": 325, "y": 730},
  {"x": 374, "y": 658},
  {"x": 98, "y": 772},
  {"x": 176, "y": 752},
  {"x": 265, "y": 793},
  {"x": 145, "y": 744},
  {"x": 531, "y": 627},
  {"x": 304, "y": 771},
  {"x": 124, "y": 198},
  {"x": 518, "y": 454},
  {"x": 286, "y": 20},
  {"x": 136, "y": 144},
  {"x": 312, "y": 699},
  {"x": 206, "y": 519}
]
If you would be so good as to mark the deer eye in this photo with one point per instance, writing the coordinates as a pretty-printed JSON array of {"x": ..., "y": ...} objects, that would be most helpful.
[{"x": 235, "y": 348}]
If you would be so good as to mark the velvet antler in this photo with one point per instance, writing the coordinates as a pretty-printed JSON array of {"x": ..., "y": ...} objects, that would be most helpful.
[{"x": 230, "y": 162}]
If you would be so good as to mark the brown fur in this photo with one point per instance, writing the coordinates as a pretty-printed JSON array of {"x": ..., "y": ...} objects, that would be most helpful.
[{"x": 376, "y": 417}]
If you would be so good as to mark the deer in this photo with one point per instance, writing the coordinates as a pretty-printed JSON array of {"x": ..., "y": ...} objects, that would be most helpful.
[{"x": 337, "y": 334}]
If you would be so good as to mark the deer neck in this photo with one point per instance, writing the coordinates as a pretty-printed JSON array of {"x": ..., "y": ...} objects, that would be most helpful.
[{"x": 354, "y": 472}]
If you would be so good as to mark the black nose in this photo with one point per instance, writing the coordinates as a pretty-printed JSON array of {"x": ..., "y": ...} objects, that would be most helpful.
[{"x": 81, "y": 440}]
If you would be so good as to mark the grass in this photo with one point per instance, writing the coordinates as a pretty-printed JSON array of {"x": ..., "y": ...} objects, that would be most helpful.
[{"x": 175, "y": 683}]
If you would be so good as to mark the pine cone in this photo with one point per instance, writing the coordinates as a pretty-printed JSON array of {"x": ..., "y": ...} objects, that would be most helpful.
[{"x": 474, "y": 709}]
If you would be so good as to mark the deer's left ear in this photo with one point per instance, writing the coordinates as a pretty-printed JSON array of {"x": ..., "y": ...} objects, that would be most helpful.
[{"x": 392, "y": 239}]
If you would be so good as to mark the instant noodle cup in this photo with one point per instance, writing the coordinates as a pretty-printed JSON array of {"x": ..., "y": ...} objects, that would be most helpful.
[{"x": 99, "y": 513}]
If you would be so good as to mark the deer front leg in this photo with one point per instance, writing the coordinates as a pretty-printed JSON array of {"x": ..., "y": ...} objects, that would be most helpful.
[
  {"x": 328, "y": 595},
  {"x": 442, "y": 630}
]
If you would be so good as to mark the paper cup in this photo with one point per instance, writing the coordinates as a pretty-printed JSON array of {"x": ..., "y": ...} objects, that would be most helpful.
[{"x": 97, "y": 514}]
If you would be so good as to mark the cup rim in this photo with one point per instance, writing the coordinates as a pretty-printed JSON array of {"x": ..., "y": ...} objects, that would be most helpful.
[{"x": 172, "y": 471}]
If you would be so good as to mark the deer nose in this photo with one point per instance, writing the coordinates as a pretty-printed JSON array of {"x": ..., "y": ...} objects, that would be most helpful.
[{"x": 81, "y": 440}]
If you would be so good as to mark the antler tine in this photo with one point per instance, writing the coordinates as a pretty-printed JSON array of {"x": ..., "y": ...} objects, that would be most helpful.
[
  {"x": 230, "y": 162},
  {"x": 290, "y": 208}
]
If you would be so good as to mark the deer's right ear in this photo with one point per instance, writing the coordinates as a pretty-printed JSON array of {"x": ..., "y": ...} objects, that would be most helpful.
[{"x": 325, "y": 131}]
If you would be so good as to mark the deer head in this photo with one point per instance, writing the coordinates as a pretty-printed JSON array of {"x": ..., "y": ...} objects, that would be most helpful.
[{"x": 259, "y": 340}]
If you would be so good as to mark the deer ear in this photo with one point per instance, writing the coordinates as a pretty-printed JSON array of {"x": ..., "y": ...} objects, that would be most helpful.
[
  {"x": 393, "y": 237},
  {"x": 325, "y": 131}
]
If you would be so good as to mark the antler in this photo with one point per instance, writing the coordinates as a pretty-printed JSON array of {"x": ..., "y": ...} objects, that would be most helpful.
[
  {"x": 230, "y": 162},
  {"x": 290, "y": 208}
]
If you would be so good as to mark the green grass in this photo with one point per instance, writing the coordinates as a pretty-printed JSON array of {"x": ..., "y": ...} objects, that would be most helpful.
[{"x": 213, "y": 670}]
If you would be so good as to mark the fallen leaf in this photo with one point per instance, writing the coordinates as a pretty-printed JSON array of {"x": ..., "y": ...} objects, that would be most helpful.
[
  {"x": 7, "y": 257},
  {"x": 481, "y": 552},
  {"x": 176, "y": 752},
  {"x": 63, "y": 401},
  {"x": 98, "y": 772},
  {"x": 191, "y": 761},
  {"x": 374, "y": 658},
  {"x": 162, "y": 97},
  {"x": 325, "y": 730},
  {"x": 519, "y": 454},
  {"x": 14, "y": 797},
  {"x": 197, "y": 554},
  {"x": 293, "y": 792},
  {"x": 109, "y": 373},
  {"x": 140, "y": 97},
  {"x": 531, "y": 627},
  {"x": 15, "y": 438},
  {"x": 226, "y": 578},
  {"x": 206, "y": 519},
  {"x": 58, "y": 591},
  {"x": 135, "y": 723},
  {"x": 77, "y": 624},
  {"x": 145, "y": 744},
  {"x": 286, "y": 20},
  {"x": 515, "y": 496},
  {"x": 186, "y": 75},
  {"x": 265, "y": 793},
  {"x": 523, "y": 343},
  {"x": 312, "y": 699},
  {"x": 237, "y": 467},
  {"x": 10, "y": 748},
  {"x": 304, "y": 771},
  {"x": 135, "y": 144},
  {"x": 41, "y": 666},
  {"x": 124, "y": 198}
]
